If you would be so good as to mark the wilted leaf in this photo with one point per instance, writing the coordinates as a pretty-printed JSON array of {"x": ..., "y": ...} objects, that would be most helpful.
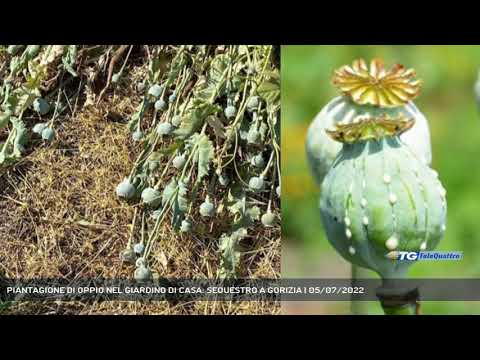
[
  {"x": 180, "y": 205},
  {"x": 230, "y": 257},
  {"x": 20, "y": 100},
  {"x": 36, "y": 74},
  {"x": 229, "y": 247},
  {"x": 205, "y": 155},
  {"x": 217, "y": 68},
  {"x": 194, "y": 118},
  {"x": 51, "y": 53},
  {"x": 21, "y": 137},
  {"x": 169, "y": 191},
  {"x": 69, "y": 59},
  {"x": 138, "y": 115},
  {"x": 155, "y": 156},
  {"x": 237, "y": 206},
  {"x": 263, "y": 129},
  {"x": 176, "y": 67},
  {"x": 17, "y": 64},
  {"x": 269, "y": 90},
  {"x": 236, "y": 199}
]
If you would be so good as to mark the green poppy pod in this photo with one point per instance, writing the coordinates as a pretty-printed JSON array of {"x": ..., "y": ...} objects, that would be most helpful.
[
  {"x": 160, "y": 105},
  {"x": 39, "y": 127},
  {"x": 41, "y": 106},
  {"x": 179, "y": 161},
  {"x": 379, "y": 198},
  {"x": 48, "y": 134},
  {"x": 207, "y": 209},
  {"x": 155, "y": 90},
  {"x": 230, "y": 111},
  {"x": 256, "y": 183},
  {"x": 125, "y": 189},
  {"x": 268, "y": 219},
  {"x": 164, "y": 129},
  {"x": 143, "y": 274},
  {"x": 385, "y": 93}
]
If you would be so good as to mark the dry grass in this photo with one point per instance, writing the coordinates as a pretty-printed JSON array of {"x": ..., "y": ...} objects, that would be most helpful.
[{"x": 60, "y": 217}]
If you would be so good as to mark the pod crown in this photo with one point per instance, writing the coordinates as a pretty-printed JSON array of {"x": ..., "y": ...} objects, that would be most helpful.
[
  {"x": 370, "y": 128},
  {"x": 376, "y": 85}
]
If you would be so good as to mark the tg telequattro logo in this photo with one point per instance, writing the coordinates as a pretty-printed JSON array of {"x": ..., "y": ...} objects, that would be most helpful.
[{"x": 425, "y": 255}]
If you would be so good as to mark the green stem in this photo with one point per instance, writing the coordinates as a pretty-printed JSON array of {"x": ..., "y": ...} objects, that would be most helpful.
[
  {"x": 407, "y": 309},
  {"x": 397, "y": 300},
  {"x": 358, "y": 307}
]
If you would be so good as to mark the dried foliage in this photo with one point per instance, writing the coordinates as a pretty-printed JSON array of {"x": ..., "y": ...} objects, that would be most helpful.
[{"x": 60, "y": 212}]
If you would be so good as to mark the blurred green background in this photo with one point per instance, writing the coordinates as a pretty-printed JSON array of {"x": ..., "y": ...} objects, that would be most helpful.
[{"x": 448, "y": 102}]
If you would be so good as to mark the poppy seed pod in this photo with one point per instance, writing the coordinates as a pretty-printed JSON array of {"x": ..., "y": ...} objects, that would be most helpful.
[
  {"x": 41, "y": 106},
  {"x": 39, "y": 127},
  {"x": 125, "y": 189},
  {"x": 143, "y": 273},
  {"x": 137, "y": 135},
  {"x": 258, "y": 161},
  {"x": 477, "y": 90},
  {"x": 253, "y": 136},
  {"x": 230, "y": 111},
  {"x": 160, "y": 105},
  {"x": 176, "y": 120},
  {"x": 179, "y": 161},
  {"x": 378, "y": 198},
  {"x": 48, "y": 134},
  {"x": 164, "y": 128},
  {"x": 268, "y": 219},
  {"x": 256, "y": 183},
  {"x": 155, "y": 90},
  {"x": 392, "y": 99},
  {"x": 206, "y": 208}
]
